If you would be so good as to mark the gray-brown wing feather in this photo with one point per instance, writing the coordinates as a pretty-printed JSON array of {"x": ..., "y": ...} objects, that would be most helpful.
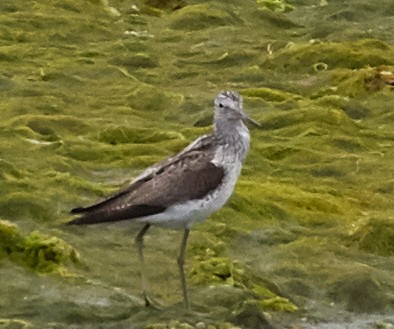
[
  {"x": 190, "y": 175},
  {"x": 202, "y": 144}
]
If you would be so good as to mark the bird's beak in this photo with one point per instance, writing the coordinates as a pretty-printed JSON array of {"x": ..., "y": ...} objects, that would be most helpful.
[{"x": 248, "y": 119}]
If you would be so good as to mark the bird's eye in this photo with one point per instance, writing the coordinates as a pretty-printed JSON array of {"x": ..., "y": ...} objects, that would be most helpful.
[{"x": 220, "y": 105}]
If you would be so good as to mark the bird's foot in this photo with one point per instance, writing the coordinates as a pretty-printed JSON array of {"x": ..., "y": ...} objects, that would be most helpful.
[{"x": 149, "y": 302}]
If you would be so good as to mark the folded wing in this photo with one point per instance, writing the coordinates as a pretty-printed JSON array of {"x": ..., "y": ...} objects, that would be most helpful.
[{"x": 189, "y": 176}]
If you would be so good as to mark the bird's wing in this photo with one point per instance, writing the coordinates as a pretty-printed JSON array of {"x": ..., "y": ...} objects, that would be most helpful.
[
  {"x": 202, "y": 143},
  {"x": 189, "y": 175}
]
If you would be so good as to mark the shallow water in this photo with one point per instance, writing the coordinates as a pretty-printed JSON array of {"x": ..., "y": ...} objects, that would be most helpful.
[{"x": 93, "y": 92}]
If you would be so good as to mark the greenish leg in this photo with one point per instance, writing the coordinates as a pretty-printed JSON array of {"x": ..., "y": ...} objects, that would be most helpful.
[
  {"x": 139, "y": 243},
  {"x": 181, "y": 262}
]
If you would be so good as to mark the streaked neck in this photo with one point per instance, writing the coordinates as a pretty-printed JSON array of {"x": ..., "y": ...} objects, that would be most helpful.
[{"x": 233, "y": 134}]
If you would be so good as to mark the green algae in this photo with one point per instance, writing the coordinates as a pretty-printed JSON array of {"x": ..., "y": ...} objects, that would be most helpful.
[
  {"x": 275, "y": 19},
  {"x": 270, "y": 95},
  {"x": 269, "y": 301},
  {"x": 275, "y": 5},
  {"x": 360, "y": 293},
  {"x": 41, "y": 253},
  {"x": 47, "y": 254},
  {"x": 119, "y": 135},
  {"x": 14, "y": 324},
  {"x": 216, "y": 270},
  {"x": 351, "y": 55},
  {"x": 212, "y": 268},
  {"x": 95, "y": 91},
  {"x": 201, "y": 16},
  {"x": 22, "y": 205},
  {"x": 358, "y": 82},
  {"x": 375, "y": 236},
  {"x": 311, "y": 207},
  {"x": 149, "y": 98},
  {"x": 166, "y": 4},
  {"x": 173, "y": 324},
  {"x": 135, "y": 60},
  {"x": 8, "y": 171}
]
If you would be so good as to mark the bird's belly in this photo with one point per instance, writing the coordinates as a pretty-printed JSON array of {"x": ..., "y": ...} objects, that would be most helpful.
[{"x": 185, "y": 214}]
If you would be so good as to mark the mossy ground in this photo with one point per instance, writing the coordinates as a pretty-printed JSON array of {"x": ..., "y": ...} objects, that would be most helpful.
[
  {"x": 38, "y": 252},
  {"x": 95, "y": 91}
]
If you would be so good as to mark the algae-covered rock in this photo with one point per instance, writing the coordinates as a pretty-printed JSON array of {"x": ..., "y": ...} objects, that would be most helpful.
[
  {"x": 271, "y": 301},
  {"x": 67, "y": 301},
  {"x": 276, "y": 18},
  {"x": 200, "y": 16},
  {"x": 360, "y": 292},
  {"x": 250, "y": 315},
  {"x": 151, "y": 99},
  {"x": 14, "y": 324},
  {"x": 212, "y": 269},
  {"x": 94, "y": 91},
  {"x": 275, "y": 5},
  {"x": 7, "y": 170},
  {"x": 166, "y": 4},
  {"x": 134, "y": 61},
  {"x": 356, "y": 110},
  {"x": 123, "y": 134},
  {"x": 39, "y": 252},
  {"x": 270, "y": 94},
  {"x": 375, "y": 236},
  {"x": 347, "y": 82},
  {"x": 216, "y": 270},
  {"x": 352, "y": 55},
  {"x": 174, "y": 324},
  {"x": 24, "y": 205}
]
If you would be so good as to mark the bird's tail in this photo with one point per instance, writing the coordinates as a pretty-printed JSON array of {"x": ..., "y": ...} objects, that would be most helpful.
[{"x": 95, "y": 215}]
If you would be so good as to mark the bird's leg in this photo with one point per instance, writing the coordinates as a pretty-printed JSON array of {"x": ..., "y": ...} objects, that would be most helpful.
[
  {"x": 181, "y": 262},
  {"x": 139, "y": 243}
]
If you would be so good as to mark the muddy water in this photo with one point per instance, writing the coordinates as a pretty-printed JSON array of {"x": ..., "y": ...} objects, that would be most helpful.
[{"x": 93, "y": 92}]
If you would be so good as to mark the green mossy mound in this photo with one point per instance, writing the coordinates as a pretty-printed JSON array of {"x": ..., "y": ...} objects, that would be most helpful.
[
  {"x": 24, "y": 205},
  {"x": 352, "y": 83},
  {"x": 41, "y": 253},
  {"x": 122, "y": 134},
  {"x": 8, "y": 171},
  {"x": 14, "y": 324},
  {"x": 95, "y": 91},
  {"x": 375, "y": 236},
  {"x": 275, "y": 5},
  {"x": 359, "y": 292},
  {"x": 309, "y": 58},
  {"x": 174, "y": 324},
  {"x": 170, "y": 5},
  {"x": 270, "y": 95},
  {"x": 212, "y": 267},
  {"x": 150, "y": 99},
  {"x": 201, "y": 16}
]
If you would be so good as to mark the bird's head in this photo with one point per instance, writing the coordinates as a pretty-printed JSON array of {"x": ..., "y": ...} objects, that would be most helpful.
[{"x": 229, "y": 107}]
